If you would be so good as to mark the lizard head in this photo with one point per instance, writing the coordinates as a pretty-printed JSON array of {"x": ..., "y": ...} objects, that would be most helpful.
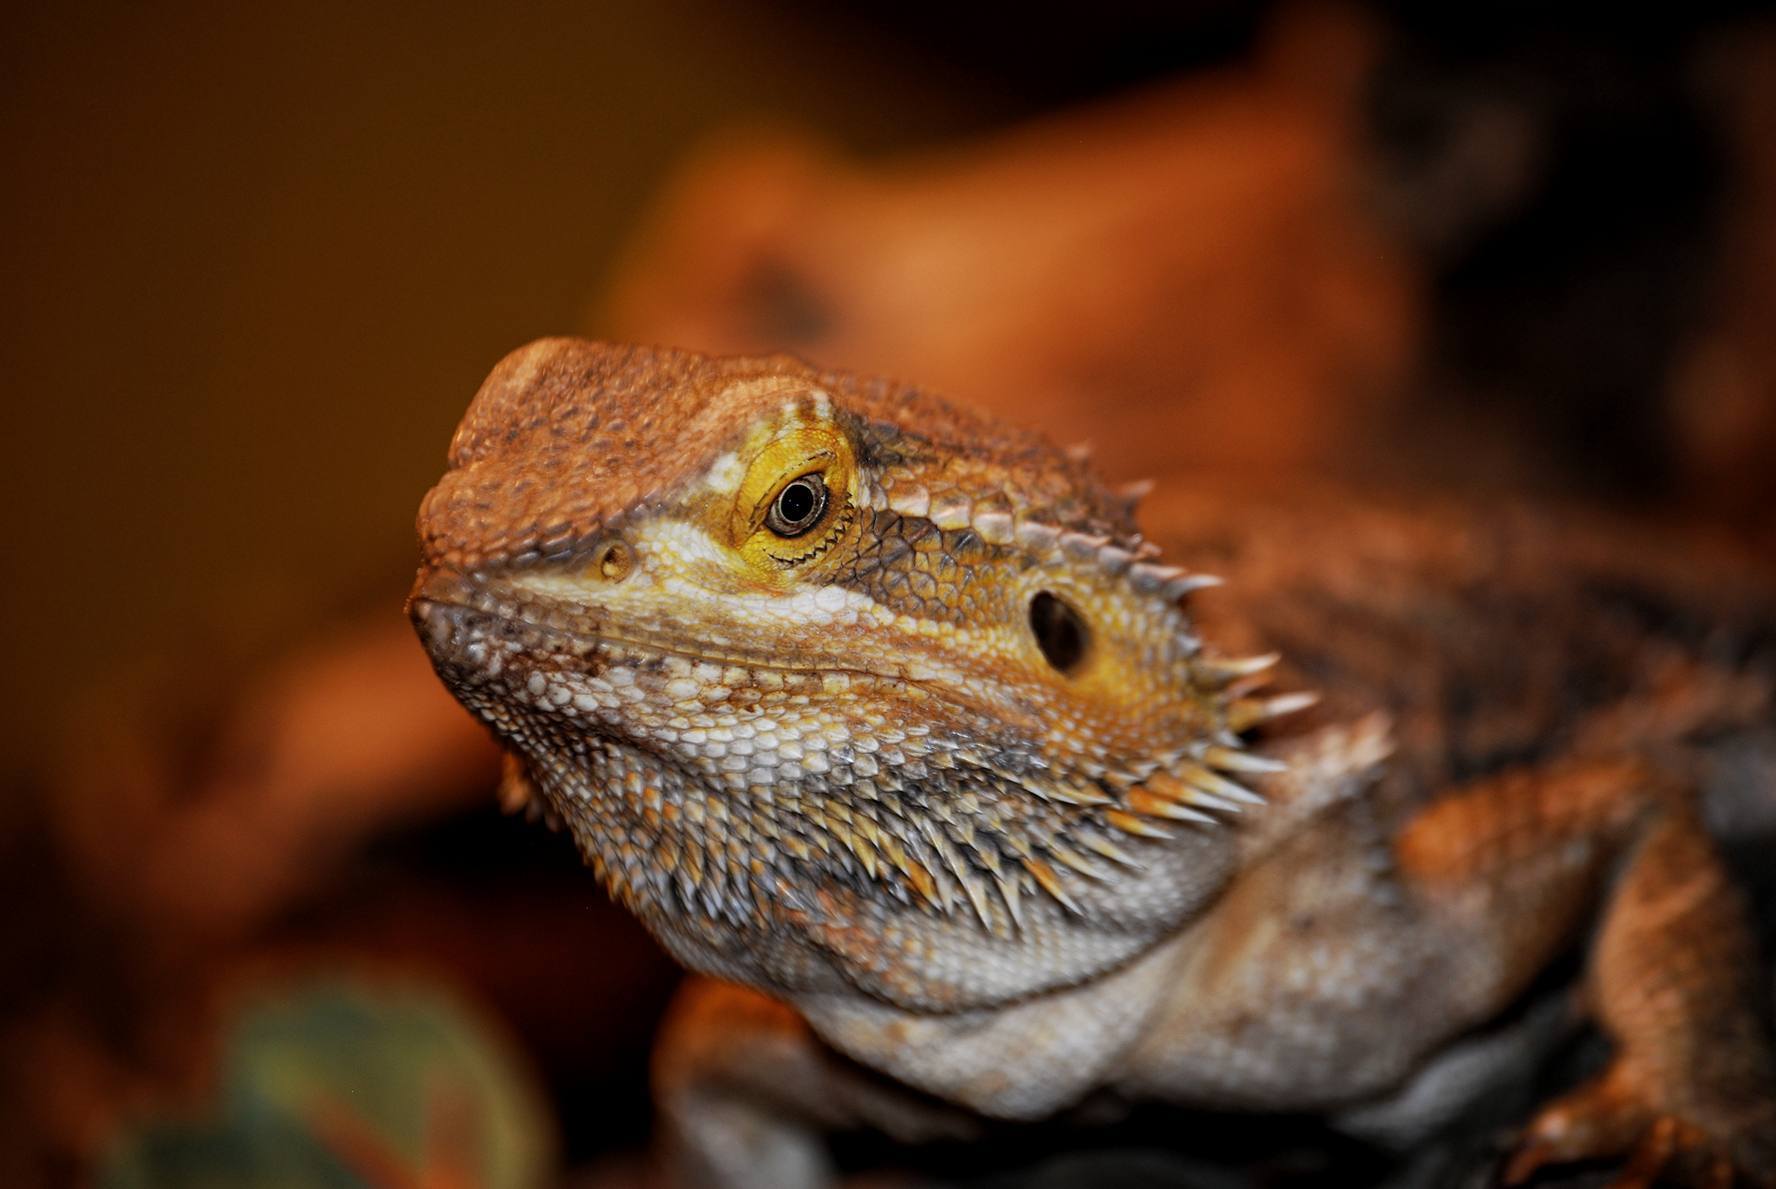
[{"x": 832, "y": 681}]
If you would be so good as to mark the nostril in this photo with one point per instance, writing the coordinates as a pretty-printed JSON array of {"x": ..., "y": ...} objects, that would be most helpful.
[
  {"x": 436, "y": 585},
  {"x": 612, "y": 561}
]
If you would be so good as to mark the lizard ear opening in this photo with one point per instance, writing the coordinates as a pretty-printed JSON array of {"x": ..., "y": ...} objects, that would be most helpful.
[{"x": 1059, "y": 630}]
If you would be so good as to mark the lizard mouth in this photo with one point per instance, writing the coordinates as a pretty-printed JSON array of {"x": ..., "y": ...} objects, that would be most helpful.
[
  {"x": 475, "y": 632},
  {"x": 471, "y": 640},
  {"x": 465, "y": 618}
]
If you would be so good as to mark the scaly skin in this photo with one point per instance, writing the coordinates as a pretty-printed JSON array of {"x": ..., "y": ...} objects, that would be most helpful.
[{"x": 890, "y": 716}]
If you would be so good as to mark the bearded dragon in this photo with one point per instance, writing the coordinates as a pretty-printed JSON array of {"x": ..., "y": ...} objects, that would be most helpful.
[{"x": 967, "y": 801}]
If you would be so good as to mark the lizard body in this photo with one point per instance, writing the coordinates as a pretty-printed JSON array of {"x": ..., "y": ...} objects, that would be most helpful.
[{"x": 892, "y": 716}]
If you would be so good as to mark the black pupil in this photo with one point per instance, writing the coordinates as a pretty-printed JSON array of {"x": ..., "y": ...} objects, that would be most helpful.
[
  {"x": 1059, "y": 631},
  {"x": 797, "y": 501}
]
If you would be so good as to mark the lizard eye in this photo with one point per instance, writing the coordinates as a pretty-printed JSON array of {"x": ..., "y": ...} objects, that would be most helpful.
[
  {"x": 1059, "y": 631},
  {"x": 798, "y": 507}
]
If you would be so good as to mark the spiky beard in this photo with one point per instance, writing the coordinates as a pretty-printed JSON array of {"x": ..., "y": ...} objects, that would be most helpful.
[{"x": 779, "y": 783}]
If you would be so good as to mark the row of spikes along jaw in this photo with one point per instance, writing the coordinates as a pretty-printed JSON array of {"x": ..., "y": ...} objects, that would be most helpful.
[{"x": 732, "y": 805}]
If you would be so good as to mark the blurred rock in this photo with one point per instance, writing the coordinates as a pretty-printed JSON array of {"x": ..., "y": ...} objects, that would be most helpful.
[
  {"x": 1184, "y": 277},
  {"x": 350, "y": 1082}
]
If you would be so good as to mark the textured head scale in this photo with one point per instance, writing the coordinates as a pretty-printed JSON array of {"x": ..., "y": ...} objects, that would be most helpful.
[{"x": 830, "y": 679}]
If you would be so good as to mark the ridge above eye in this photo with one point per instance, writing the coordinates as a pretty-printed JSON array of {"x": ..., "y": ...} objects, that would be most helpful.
[{"x": 798, "y": 507}]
